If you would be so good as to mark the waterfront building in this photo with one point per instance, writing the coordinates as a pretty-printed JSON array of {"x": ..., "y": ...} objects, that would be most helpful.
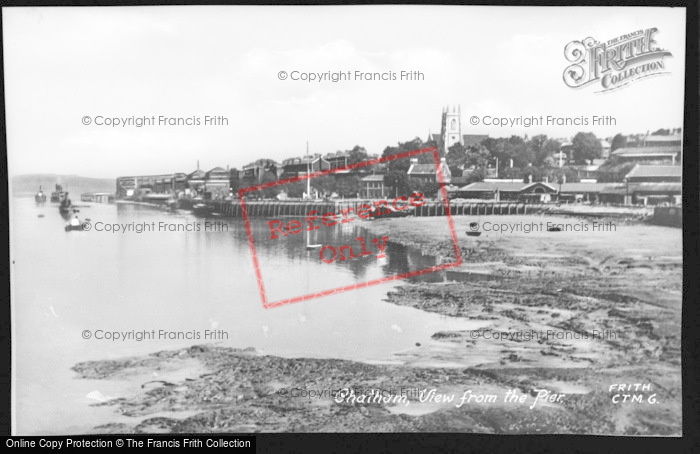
[
  {"x": 135, "y": 186},
  {"x": 195, "y": 183},
  {"x": 171, "y": 184},
  {"x": 373, "y": 187},
  {"x": 336, "y": 160},
  {"x": 294, "y": 167},
  {"x": 428, "y": 173},
  {"x": 97, "y": 197},
  {"x": 217, "y": 184},
  {"x": 674, "y": 140},
  {"x": 260, "y": 171},
  {"x": 648, "y": 154},
  {"x": 655, "y": 174},
  {"x": 580, "y": 192},
  {"x": 506, "y": 190},
  {"x": 642, "y": 193}
]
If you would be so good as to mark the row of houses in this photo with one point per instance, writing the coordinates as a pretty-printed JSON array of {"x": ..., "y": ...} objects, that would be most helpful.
[
  {"x": 220, "y": 183},
  {"x": 644, "y": 184}
]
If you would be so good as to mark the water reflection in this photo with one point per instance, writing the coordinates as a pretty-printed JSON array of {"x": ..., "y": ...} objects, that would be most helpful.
[{"x": 66, "y": 282}]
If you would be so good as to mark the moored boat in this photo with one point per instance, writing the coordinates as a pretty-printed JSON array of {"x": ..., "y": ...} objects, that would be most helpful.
[
  {"x": 57, "y": 195},
  {"x": 201, "y": 209},
  {"x": 40, "y": 197},
  {"x": 473, "y": 229},
  {"x": 388, "y": 211}
]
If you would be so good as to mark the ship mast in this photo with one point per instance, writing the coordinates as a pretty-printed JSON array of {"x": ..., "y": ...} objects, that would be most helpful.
[{"x": 308, "y": 171}]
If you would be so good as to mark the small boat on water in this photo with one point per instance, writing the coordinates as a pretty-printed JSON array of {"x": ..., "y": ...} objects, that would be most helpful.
[
  {"x": 554, "y": 229},
  {"x": 57, "y": 195},
  {"x": 66, "y": 208},
  {"x": 40, "y": 197},
  {"x": 74, "y": 224},
  {"x": 201, "y": 209},
  {"x": 388, "y": 211},
  {"x": 474, "y": 229}
]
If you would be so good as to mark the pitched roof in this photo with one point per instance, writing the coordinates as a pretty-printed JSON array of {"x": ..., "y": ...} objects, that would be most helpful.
[
  {"x": 197, "y": 174},
  {"x": 640, "y": 171},
  {"x": 265, "y": 163},
  {"x": 473, "y": 139},
  {"x": 672, "y": 138},
  {"x": 435, "y": 137},
  {"x": 622, "y": 189},
  {"x": 489, "y": 186},
  {"x": 422, "y": 169},
  {"x": 337, "y": 154},
  {"x": 583, "y": 188},
  {"x": 646, "y": 151},
  {"x": 674, "y": 188},
  {"x": 459, "y": 180},
  {"x": 535, "y": 183}
]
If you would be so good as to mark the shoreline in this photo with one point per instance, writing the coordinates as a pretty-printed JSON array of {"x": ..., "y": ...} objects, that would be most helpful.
[{"x": 562, "y": 284}]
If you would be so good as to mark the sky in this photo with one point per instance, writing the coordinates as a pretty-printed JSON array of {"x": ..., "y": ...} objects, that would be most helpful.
[{"x": 65, "y": 64}]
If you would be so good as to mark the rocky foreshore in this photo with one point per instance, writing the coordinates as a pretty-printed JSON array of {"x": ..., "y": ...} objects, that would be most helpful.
[{"x": 541, "y": 295}]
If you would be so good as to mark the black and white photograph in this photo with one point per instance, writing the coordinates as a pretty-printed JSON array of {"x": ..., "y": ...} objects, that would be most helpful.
[{"x": 345, "y": 219}]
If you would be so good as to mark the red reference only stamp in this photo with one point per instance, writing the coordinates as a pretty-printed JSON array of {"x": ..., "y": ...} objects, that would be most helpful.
[{"x": 287, "y": 223}]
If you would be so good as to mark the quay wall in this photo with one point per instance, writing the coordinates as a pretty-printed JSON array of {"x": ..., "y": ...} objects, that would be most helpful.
[
  {"x": 277, "y": 208},
  {"x": 302, "y": 208}
]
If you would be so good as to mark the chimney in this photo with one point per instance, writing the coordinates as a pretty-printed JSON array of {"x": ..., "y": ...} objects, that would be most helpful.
[
  {"x": 563, "y": 179},
  {"x": 546, "y": 179},
  {"x": 529, "y": 178}
]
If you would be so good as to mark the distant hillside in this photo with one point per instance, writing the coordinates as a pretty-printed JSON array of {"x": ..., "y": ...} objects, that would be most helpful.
[{"x": 24, "y": 185}]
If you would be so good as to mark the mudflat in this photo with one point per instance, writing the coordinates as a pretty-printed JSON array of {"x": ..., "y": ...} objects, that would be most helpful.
[{"x": 581, "y": 333}]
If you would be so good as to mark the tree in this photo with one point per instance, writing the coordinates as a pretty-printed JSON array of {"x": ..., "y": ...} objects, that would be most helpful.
[
  {"x": 586, "y": 146},
  {"x": 404, "y": 147},
  {"x": 511, "y": 173},
  {"x": 357, "y": 154},
  {"x": 428, "y": 188},
  {"x": 270, "y": 192},
  {"x": 550, "y": 148},
  {"x": 324, "y": 184},
  {"x": 397, "y": 181},
  {"x": 661, "y": 132},
  {"x": 296, "y": 189},
  {"x": 535, "y": 147},
  {"x": 619, "y": 141},
  {"x": 456, "y": 158},
  {"x": 477, "y": 156},
  {"x": 475, "y": 175},
  {"x": 348, "y": 186},
  {"x": 540, "y": 148}
]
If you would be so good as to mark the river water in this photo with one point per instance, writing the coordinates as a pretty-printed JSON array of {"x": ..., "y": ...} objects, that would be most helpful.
[{"x": 67, "y": 283}]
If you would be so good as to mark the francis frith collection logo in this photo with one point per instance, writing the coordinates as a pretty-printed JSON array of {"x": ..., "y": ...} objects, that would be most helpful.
[{"x": 614, "y": 63}]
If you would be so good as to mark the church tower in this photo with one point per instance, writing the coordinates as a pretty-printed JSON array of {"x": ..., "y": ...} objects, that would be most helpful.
[{"x": 451, "y": 132}]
